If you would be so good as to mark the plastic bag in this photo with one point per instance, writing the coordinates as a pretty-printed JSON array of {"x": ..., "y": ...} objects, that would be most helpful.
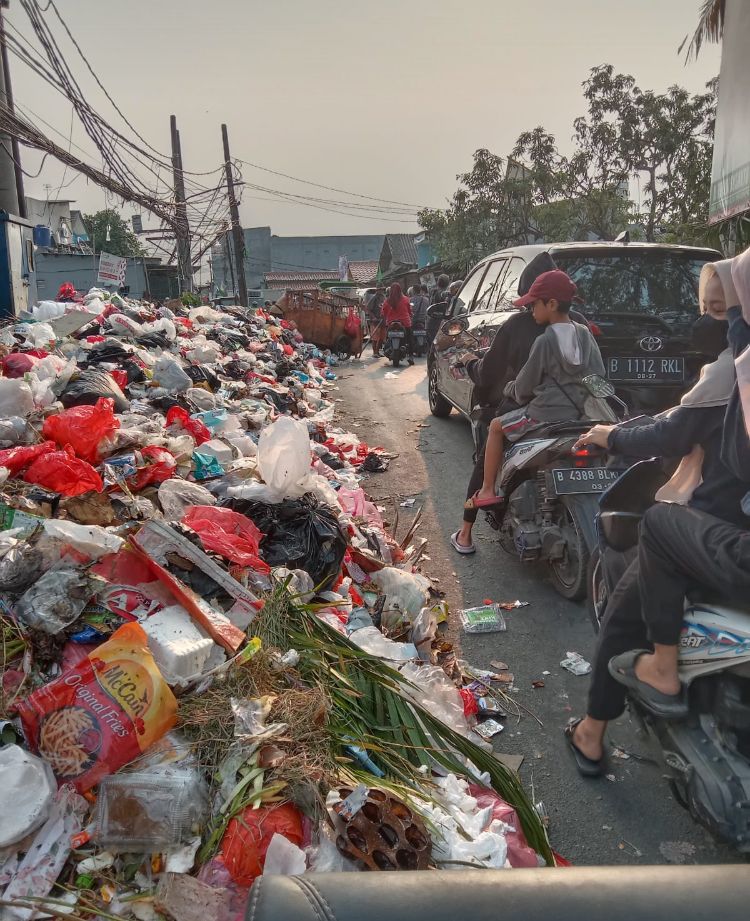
[
  {"x": 403, "y": 590},
  {"x": 233, "y": 536},
  {"x": 103, "y": 713},
  {"x": 168, "y": 373},
  {"x": 299, "y": 534},
  {"x": 431, "y": 688},
  {"x": 284, "y": 458},
  {"x": 90, "y": 539},
  {"x": 15, "y": 459},
  {"x": 519, "y": 852},
  {"x": 16, "y": 398},
  {"x": 161, "y": 465},
  {"x": 15, "y": 430},
  {"x": 248, "y": 836},
  {"x": 176, "y": 497},
  {"x": 371, "y": 640},
  {"x": 56, "y": 599},
  {"x": 176, "y": 415},
  {"x": 87, "y": 429},
  {"x": 39, "y": 335},
  {"x": 89, "y": 386},
  {"x": 352, "y": 324},
  {"x": 28, "y": 789},
  {"x": 17, "y": 364},
  {"x": 63, "y": 472}
]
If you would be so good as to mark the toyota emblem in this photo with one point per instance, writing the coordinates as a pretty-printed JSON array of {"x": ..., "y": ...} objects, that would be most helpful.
[{"x": 650, "y": 343}]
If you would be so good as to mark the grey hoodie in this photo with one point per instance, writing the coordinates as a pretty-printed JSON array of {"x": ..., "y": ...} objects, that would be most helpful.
[{"x": 548, "y": 385}]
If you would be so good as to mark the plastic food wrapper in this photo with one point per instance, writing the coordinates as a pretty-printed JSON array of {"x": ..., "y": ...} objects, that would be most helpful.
[
  {"x": 87, "y": 429},
  {"x": 228, "y": 533},
  {"x": 575, "y": 663},
  {"x": 486, "y": 618},
  {"x": 56, "y": 599},
  {"x": 145, "y": 811},
  {"x": 63, "y": 472},
  {"x": 409, "y": 592},
  {"x": 103, "y": 713},
  {"x": 488, "y": 729},
  {"x": 248, "y": 837},
  {"x": 27, "y": 789}
]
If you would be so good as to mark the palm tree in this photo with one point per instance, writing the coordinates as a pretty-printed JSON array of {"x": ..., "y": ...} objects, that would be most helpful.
[{"x": 710, "y": 27}]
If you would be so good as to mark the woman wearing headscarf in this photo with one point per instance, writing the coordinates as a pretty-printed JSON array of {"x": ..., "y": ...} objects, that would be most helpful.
[
  {"x": 397, "y": 309},
  {"x": 702, "y": 485}
]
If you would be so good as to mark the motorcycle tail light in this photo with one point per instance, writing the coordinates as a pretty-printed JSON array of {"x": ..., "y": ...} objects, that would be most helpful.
[{"x": 585, "y": 456}]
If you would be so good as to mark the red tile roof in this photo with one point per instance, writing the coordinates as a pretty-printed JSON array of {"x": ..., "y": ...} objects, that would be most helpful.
[
  {"x": 363, "y": 272},
  {"x": 297, "y": 281}
]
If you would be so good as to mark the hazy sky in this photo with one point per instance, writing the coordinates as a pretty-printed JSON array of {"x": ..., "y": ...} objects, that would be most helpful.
[{"x": 387, "y": 98}]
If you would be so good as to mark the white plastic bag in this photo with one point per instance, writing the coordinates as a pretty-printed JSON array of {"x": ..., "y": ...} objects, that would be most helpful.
[
  {"x": 284, "y": 458},
  {"x": 403, "y": 590},
  {"x": 176, "y": 497},
  {"x": 168, "y": 373},
  {"x": 371, "y": 640},
  {"x": 16, "y": 398},
  {"x": 90, "y": 539}
]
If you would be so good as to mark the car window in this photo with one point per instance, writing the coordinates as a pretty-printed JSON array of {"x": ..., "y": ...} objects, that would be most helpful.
[
  {"x": 486, "y": 292},
  {"x": 507, "y": 291},
  {"x": 466, "y": 295}
]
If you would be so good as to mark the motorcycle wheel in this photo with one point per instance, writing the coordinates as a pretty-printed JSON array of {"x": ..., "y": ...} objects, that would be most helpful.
[
  {"x": 597, "y": 590},
  {"x": 396, "y": 361},
  {"x": 569, "y": 574},
  {"x": 439, "y": 406}
]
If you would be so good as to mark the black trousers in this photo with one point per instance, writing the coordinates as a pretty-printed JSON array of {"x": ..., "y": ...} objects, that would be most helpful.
[{"x": 680, "y": 549}]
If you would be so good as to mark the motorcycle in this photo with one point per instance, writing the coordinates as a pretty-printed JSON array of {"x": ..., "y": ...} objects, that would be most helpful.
[
  {"x": 394, "y": 346},
  {"x": 553, "y": 490},
  {"x": 706, "y": 755},
  {"x": 419, "y": 337}
]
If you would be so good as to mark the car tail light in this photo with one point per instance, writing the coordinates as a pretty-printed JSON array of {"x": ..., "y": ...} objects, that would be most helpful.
[{"x": 596, "y": 330}]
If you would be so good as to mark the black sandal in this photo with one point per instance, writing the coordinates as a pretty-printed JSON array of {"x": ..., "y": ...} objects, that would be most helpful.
[
  {"x": 587, "y": 767},
  {"x": 667, "y": 706}
]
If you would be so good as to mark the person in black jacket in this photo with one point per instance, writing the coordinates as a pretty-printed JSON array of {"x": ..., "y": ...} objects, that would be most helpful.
[{"x": 699, "y": 518}]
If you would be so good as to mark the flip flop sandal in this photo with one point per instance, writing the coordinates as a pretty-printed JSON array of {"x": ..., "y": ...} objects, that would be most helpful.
[
  {"x": 668, "y": 706},
  {"x": 587, "y": 767},
  {"x": 460, "y": 548},
  {"x": 474, "y": 502}
]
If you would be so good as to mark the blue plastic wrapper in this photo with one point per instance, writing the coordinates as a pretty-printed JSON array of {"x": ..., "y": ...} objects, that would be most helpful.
[
  {"x": 88, "y": 635},
  {"x": 206, "y": 466},
  {"x": 211, "y": 418}
]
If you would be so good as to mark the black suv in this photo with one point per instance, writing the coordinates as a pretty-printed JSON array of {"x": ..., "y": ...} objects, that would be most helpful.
[{"x": 641, "y": 300}]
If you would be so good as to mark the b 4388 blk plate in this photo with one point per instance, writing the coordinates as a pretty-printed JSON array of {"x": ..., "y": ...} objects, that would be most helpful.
[{"x": 582, "y": 480}]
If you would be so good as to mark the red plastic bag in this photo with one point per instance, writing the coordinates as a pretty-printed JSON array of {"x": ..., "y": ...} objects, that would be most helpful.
[
  {"x": 228, "y": 533},
  {"x": 519, "y": 852},
  {"x": 121, "y": 378},
  {"x": 18, "y": 363},
  {"x": 15, "y": 459},
  {"x": 193, "y": 427},
  {"x": 84, "y": 428},
  {"x": 246, "y": 840},
  {"x": 63, "y": 472},
  {"x": 352, "y": 324},
  {"x": 161, "y": 466}
]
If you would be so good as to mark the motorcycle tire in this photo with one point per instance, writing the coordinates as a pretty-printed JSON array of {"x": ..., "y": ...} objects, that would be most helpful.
[
  {"x": 598, "y": 597},
  {"x": 343, "y": 347},
  {"x": 396, "y": 361},
  {"x": 569, "y": 576},
  {"x": 439, "y": 406}
]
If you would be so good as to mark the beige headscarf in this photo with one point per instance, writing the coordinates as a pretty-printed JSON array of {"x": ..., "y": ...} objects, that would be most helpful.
[{"x": 713, "y": 388}]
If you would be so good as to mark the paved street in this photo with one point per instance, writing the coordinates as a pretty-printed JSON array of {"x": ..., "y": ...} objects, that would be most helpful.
[{"x": 628, "y": 818}]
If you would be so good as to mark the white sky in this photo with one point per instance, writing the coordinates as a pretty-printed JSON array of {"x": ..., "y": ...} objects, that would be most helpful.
[{"x": 387, "y": 98}]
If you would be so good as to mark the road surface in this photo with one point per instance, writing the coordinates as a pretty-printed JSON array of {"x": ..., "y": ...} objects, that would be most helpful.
[{"x": 630, "y": 816}]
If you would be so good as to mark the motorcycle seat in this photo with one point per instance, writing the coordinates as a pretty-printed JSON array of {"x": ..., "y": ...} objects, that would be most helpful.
[{"x": 549, "y": 429}]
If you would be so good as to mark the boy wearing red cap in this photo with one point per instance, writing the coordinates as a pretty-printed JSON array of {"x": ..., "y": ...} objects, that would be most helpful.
[{"x": 548, "y": 388}]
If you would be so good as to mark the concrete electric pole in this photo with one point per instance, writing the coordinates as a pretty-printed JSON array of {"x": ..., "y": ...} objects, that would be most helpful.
[
  {"x": 12, "y": 197},
  {"x": 182, "y": 225},
  {"x": 238, "y": 238}
]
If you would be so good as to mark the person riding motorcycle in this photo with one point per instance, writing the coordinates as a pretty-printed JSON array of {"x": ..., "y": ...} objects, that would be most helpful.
[
  {"x": 419, "y": 304},
  {"x": 548, "y": 388},
  {"x": 439, "y": 296},
  {"x": 397, "y": 309},
  {"x": 707, "y": 535}
]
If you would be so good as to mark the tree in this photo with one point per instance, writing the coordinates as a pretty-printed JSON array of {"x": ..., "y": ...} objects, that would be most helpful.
[{"x": 108, "y": 232}]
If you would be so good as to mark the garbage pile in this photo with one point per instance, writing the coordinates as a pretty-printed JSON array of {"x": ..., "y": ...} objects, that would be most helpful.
[{"x": 216, "y": 660}]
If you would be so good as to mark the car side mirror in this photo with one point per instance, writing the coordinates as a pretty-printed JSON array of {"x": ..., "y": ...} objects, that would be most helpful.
[{"x": 437, "y": 311}]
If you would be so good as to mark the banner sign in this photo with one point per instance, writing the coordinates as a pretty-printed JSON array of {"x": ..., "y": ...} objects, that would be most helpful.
[{"x": 112, "y": 270}]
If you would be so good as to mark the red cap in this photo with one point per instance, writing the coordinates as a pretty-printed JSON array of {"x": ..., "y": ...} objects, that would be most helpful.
[{"x": 555, "y": 284}]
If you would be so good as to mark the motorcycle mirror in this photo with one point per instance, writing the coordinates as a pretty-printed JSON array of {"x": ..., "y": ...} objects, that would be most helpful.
[
  {"x": 456, "y": 327},
  {"x": 598, "y": 386},
  {"x": 436, "y": 311}
]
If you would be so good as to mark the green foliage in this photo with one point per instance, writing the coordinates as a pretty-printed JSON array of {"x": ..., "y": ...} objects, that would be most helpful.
[
  {"x": 538, "y": 193},
  {"x": 190, "y": 300},
  {"x": 122, "y": 241}
]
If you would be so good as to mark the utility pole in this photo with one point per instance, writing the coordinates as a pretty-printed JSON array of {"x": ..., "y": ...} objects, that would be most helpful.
[
  {"x": 12, "y": 197},
  {"x": 238, "y": 238},
  {"x": 182, "y": 225}
]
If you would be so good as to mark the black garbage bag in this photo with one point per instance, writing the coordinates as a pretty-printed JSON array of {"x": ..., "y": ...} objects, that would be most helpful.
[
  {"x": 237, "y": 369},
  {"x": 299, "y": 534},
  {"x": 91, "y": 385},
  {"x": 199, "y": 374}
]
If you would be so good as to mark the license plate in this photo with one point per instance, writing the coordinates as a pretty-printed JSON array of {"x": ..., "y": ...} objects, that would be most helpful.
[
  {"x": 585, "y": 479},
  {"x": 633, "y": 370},
  {"x": 396, "y": 335}
]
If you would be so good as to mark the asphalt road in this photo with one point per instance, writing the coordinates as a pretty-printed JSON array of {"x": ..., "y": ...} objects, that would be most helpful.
[{"x": 629, "y": 817}]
